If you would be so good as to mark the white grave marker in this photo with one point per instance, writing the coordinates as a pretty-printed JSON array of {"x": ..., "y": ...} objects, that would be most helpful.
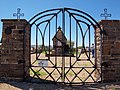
[{"x": 43, "y": 63}]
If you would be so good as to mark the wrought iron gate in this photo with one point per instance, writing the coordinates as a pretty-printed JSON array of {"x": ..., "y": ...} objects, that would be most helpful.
[{"x": 61, "y": 42}]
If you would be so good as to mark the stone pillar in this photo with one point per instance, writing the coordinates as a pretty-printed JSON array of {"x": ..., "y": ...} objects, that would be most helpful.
[
  {"x": 98, "y": 41},
  {"x": 13, "y": 56},
  {"x": 110, "y": 54}
]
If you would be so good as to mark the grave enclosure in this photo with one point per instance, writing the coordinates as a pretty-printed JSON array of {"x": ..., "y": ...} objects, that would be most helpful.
[{"x": 15, "y": 54}]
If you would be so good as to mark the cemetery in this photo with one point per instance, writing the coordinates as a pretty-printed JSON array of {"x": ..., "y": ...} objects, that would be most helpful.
[{"x": 60, "y": 54}]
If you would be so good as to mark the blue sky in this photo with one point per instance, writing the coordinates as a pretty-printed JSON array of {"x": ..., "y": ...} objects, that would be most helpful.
[{"x": 32, "y": 7}]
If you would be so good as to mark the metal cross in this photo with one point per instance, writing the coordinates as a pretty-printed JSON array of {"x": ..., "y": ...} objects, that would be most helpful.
[
  {"x": 59, "y": 28},
  {"x": 18, "y": 14},
  {"x": 105, "y": 14}
]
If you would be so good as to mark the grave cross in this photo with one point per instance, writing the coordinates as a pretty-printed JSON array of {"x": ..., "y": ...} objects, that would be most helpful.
[
  {"x": 105, "y": 14},
  {"x": 18, "y": 14}
]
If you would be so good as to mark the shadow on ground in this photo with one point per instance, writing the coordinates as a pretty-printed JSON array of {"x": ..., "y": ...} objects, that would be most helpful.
[{"x": 51, "y": 86}]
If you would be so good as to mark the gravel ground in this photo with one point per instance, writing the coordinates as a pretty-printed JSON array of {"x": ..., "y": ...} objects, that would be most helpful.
[{"x": 33, "y": 86}]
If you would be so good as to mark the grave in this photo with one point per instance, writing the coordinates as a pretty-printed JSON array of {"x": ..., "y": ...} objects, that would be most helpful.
[{"x": 60, "y": 46}]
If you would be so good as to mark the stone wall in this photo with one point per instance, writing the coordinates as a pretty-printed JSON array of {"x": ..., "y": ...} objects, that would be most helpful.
[
  {"x": 110, "y": 52},
  {"x": 15, "y": 49},
  {"x": 98, "y": 50},
  {"x": 13, "y": 57}
]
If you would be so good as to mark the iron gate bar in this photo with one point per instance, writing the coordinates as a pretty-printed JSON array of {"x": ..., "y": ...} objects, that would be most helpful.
[
  {"x": 49, "y": 41},
  {"x": 60, "y": 9},
  {"x": 83, "y": 41},
  {"x": 83, "y": 38},
  {"x": 52, "y": 14},
  {"x": 49, "y": 50},
  {"x": 49, "y": 74},
  {"x": 89, "y": 74},
  {"x": 63, "y": 52},
  {"x": 43, "y": 36},
  {"x": 96, "y": 23},
  {"x": 57, "y": 43},
  {"x": 83, "y": 22},
  {"x": 81, "y": 28},
  {"x": 70, "y": 42},
  {"x": 72, "y": 14},
  {"x": 76, "y": 41},
  {"x": 54, "y": 67},
  {"x": 89, "y": 40},
  {"x": 34, "y": 74},
  {"x": 36, "y": 41},
  {"x": 77, "y": 74}
]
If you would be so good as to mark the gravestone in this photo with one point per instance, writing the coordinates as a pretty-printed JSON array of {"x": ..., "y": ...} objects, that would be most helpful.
[
  {"x": 43, "y": 63},
  {"x": 60, "y": 46}
]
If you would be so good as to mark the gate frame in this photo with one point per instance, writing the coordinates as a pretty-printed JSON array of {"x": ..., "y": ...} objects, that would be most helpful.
[{"x": 63, "y": 10}]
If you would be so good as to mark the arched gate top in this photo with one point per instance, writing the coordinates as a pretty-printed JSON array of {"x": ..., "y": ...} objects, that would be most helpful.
[{"x": 71, "y": 11}]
